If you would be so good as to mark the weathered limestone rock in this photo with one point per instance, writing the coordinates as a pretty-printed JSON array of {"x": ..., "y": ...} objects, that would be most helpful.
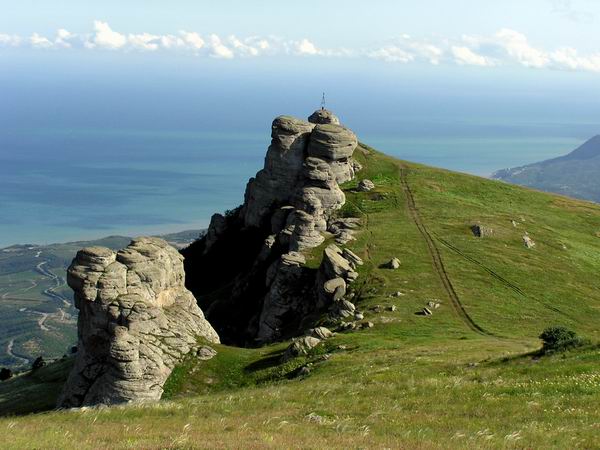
[
  {"x": 323, "y": 116},
  {"x": 320, "y": 333},
  {"x": 282, "y": 300},
  {"x": 280, "y": 177},
  {"x": 332, "y": 142},
  {"x": 481, "y": 231},
  {"x": 527, "y": 241},
  {"x": 216, "y": 228},
  {"x": 335, "y": 288},
  {"x": 366, "y": 185},
  {"x": 136, "y": 320},
  {"x": 393, "y": 264},
  {"x": 288, "y": 208},
  {"x": 300, "y": 346}
]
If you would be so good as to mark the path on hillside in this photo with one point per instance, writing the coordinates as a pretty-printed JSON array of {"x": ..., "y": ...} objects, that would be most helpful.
[
  {"x": 436, "y": 257},
  {"x": 58, "y": 282},
  {"x": 9, "y": 352}
]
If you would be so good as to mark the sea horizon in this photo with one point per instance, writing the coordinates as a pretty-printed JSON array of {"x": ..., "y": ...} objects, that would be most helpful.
[{"x": 72, "y": 184}]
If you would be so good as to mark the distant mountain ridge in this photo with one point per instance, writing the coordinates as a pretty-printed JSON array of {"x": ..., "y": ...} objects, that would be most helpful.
[{"x": 575, "y": 174}]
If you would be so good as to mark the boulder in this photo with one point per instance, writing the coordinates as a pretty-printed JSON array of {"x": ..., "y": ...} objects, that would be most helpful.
[
  {"x": 320, "y": 333},
  {"x": 323, "y": 116},
  {"x": 334, "y": 264},
  {"x": 332, "y": 142},
  {"x": 300, "y": 347},
  {"x": 205, "y": 353},
  {"x": 481, "y": 231},
  {"x": 528, "y": 242},
  {"x": 365, "y": 185},
  {"x": 335, "y": 288},
  {"x": 352, "y": 257},
  {"x": 394, "y": 264},
  {"x": 136, "y": 321}
]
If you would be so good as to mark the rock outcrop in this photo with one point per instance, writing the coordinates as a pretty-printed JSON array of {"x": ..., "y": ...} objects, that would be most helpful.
[
  {"x": 289, "y": 207},
  {"x": 136, "y": 321}
]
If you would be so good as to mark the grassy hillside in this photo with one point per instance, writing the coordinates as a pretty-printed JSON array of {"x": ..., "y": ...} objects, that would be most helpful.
[{"x": 465, "y": 376}]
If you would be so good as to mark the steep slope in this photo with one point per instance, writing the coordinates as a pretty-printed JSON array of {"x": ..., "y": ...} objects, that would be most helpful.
[
  {"x": 459, "y": 377},
  {"x": 575, "y": 174}
]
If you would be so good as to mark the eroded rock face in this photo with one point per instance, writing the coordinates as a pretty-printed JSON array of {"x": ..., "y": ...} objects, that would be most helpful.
[
  {"x": 136, "y": 321},
  {"x": 290, "y": 206}
]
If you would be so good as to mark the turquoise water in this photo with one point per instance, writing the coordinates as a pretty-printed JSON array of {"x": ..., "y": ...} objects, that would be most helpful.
[{"x": 63, "y": 185}]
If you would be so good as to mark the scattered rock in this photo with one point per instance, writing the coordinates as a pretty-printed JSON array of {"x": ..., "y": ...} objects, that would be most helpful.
[
  {"x": 323, "y": 116},
  {"x": 304, "y": 371},
  {"x": 515, "y": 224},
  {"x": 393, "y": 264},
  {"x": 397, "y": 294},
  {"x": 352, "y": 257},
  {"x": 528, "y": 242},
  {"x": 320, "y": 333},
  {"x": 205, "y": 353},
  {"x": 481, "y": 231},
  {"x": 433, "y": 304},
  {"x": 342, "y": 347},
  {"x": 300, "y": 347},
  {"x": 335, "y": 288},
  {"x": 359, "y": 316},
  {"x": 392, "y": 308},
  {"x": 365, "y": 185},
  {"x": 366, "y": 325}
]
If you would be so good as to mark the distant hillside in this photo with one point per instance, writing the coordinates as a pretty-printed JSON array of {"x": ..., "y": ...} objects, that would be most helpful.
[
  {"x": 36, "y": 309},
  {"x": 575, "y": 175}
]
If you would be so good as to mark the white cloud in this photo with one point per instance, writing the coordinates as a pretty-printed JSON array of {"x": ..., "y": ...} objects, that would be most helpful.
[
  {"x": 305, "y": 47},
  {"x": 38, "y": 41},
  {"x": 144, "y": 41},
  {"x": 466, "y": 56},
  {"x": 217, "y": 49},
  {"x": 105, "y": 37},
  {"x": 63, "y": 37},
  {"x": 391, "y": 53},
  {"x": 568, "y": 58},
  {"x": 194, "y": 40},
  {"x": 9, "y": 40},
  {"x": 507, "y": 47},
  {"x": 518, "y": 47}
]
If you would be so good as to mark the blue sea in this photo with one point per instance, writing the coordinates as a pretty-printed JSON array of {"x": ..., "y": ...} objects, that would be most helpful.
[
  {"x": 69, "y": 184},
  {"x": 130, "y": 144}
]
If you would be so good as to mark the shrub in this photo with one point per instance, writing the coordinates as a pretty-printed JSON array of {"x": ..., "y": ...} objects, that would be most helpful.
[{"x": 556, "y": 339}]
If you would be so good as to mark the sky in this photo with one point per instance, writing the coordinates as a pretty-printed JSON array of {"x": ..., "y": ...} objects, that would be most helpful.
[
  {"x": 90, "y": 86},
  {"x": 536, "y": 34}
]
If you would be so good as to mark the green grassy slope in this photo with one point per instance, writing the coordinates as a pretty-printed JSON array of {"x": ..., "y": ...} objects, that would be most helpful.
[{"x": 462, "y": 377}]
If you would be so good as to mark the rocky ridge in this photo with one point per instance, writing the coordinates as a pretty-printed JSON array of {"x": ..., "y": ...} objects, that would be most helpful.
[
  {"x": 289, "y": 207},
  {"x": 136, "y": 321}
]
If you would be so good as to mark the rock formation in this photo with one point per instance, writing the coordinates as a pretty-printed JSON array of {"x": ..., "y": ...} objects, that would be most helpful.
[
  {"x": 136, "y": 321},
  {"x": 289, "y": 207}
]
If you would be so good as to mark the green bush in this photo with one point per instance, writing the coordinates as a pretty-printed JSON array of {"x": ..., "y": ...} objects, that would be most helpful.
[{"x": 556, "y": 339}]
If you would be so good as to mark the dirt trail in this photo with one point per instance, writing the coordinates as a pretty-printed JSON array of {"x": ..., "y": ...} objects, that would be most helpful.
[
  {"x": 436, "y": 258},
  {"x": 9, "y": 352}
]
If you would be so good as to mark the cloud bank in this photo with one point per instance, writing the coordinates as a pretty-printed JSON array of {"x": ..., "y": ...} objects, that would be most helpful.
[{"x": 506, "y": 47}]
